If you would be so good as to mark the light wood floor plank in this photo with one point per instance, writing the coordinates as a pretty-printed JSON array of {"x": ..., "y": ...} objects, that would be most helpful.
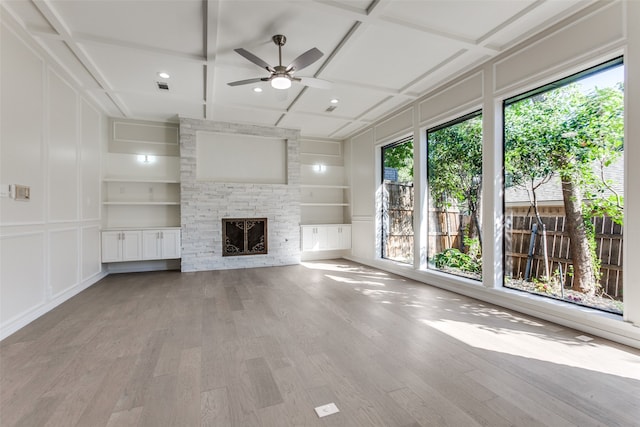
[{"x": 214, "y": 408}]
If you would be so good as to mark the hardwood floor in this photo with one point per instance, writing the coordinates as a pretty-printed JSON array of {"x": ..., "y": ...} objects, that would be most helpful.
[{"x": 263, "y": 347}]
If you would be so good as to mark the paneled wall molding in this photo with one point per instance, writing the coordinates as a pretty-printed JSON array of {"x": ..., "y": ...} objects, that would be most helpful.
[{"x": 52, "y": 142}]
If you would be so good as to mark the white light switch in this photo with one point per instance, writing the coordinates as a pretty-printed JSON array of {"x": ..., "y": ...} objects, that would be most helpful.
[
  {"x": 328, "y": 409},
  {"x": 5, "y": 190}
]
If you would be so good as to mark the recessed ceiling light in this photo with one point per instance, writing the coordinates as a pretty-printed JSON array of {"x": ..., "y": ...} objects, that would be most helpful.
[
  {"x": 257, "y": 89},
  {"x": 334, "y": 101},
  {"x": 164, "y": 75}
]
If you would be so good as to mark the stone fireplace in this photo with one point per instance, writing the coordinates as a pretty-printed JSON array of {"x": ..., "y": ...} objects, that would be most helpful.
[{"x": 205, "y": 202}]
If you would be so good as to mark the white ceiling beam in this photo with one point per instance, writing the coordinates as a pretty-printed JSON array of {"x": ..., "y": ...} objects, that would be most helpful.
[{"x": 211, "y": 16}]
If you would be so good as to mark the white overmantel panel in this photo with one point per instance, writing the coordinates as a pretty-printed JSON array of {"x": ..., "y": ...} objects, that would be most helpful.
[
  {"x": 553, "y": 53},
  {"x": 240, "y": 158}
]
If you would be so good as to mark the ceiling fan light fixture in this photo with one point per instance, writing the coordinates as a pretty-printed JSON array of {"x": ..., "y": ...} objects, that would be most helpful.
[{"x": 280, "y": 82}]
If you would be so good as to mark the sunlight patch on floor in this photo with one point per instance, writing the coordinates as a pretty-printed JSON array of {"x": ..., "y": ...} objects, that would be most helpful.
[
  {"x": 354, "y": 281},
  {"x": 343, "y": 268},
  {"x": 541, "y": 346}
]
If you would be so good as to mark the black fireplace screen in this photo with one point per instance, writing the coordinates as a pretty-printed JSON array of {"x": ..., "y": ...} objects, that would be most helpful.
[{"x": 244, "y": 236}]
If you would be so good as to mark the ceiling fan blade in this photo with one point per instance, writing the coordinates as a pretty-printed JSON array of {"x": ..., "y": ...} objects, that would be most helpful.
[
  {"x": 313, "y": 82},
  {"x": 248, "y": 81},
  {"x": 304, "y": 60},
  {"x": 251, "y": 57}
]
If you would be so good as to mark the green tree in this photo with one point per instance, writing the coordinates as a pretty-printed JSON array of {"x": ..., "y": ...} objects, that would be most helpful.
[
  {"x": 454, "y": 168},
  {"x": 400, "y": 157},
  {"x": 572, "y": 135}
]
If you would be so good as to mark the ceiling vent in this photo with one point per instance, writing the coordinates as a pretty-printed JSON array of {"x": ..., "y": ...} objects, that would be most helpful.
[
  {"x": 163, "y": 85},
  {"x": 330, "y": 108}
]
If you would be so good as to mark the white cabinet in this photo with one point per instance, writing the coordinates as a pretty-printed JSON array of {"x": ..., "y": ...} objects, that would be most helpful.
[
  {"x": 121, "y": 246},
  {"x": 138, "y": 245},
  {"x": 325, "y": 237},
  {"x": 314, "y": 238},
  {"x": 160, "y": 244}
]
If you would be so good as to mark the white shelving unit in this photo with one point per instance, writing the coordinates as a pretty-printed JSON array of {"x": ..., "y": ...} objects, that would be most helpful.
[
  {"x": 141, "y": 196},
  {"x": 324, "y": 201}
]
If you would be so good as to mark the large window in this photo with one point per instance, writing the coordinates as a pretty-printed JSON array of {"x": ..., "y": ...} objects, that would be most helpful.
[
  {"x": 397, "y": 201},
  {"x": 454, "y": 169},
  {"x": 563, "y": 162}
]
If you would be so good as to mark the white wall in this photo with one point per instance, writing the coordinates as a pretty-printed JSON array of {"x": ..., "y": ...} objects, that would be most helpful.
[
  {"x": 589, "y": 38},
  {"x": 51, "y": 140}
]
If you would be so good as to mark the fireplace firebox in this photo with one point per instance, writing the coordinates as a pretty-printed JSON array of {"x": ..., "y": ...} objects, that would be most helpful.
[{"x": 244, "y": 236}]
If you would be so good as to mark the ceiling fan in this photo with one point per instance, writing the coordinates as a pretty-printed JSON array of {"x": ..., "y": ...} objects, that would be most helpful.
[{"x": 281, "y": 77}]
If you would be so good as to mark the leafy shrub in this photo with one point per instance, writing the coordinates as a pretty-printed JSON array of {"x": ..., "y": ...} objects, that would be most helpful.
[{"x": 453, "y": 258}]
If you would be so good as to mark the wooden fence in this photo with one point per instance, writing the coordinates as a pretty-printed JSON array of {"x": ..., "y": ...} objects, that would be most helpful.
[
  {"x": 608, "y": 247},
  {"x": 446, "y": 230},
  {"x": 398, "y": 221}
]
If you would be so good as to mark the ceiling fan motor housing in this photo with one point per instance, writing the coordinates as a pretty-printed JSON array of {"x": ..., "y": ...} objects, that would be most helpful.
[{"x": 279, "y": 39}]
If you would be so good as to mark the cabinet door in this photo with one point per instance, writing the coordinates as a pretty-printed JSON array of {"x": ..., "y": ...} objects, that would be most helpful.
[
  {"x": 333, "y": 237},
  {"x": 111, "y": 248},
  {"x": 151, "y": 246},
  {"x": 322, "y": 238},
  {"x": 344, "y": 233},
  {"x": 131, "y": 245},
  {"x": 170, "y": 244},
  {"x": 307, "y": 238}
]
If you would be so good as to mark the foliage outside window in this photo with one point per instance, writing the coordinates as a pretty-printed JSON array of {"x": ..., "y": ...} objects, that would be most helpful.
[
  {"x": 454, "y": 169},
  {"x": 397, "y": 202},
  {"x": 563, "y": 189}
]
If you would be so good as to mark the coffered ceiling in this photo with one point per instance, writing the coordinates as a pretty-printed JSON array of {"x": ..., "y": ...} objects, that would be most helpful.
[{"x": 378, "y": 54}]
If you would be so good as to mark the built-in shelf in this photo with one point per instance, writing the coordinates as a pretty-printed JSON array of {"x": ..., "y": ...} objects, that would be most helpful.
[
  {"x": 140, "y": 195},
  {"x": 143, "y": 203},
  {"x": 324, "y": 186},
  {"x": 324, "y": 195},
  {"x": 324, "y": 204},
  {"x": 142, "y": 180}
]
